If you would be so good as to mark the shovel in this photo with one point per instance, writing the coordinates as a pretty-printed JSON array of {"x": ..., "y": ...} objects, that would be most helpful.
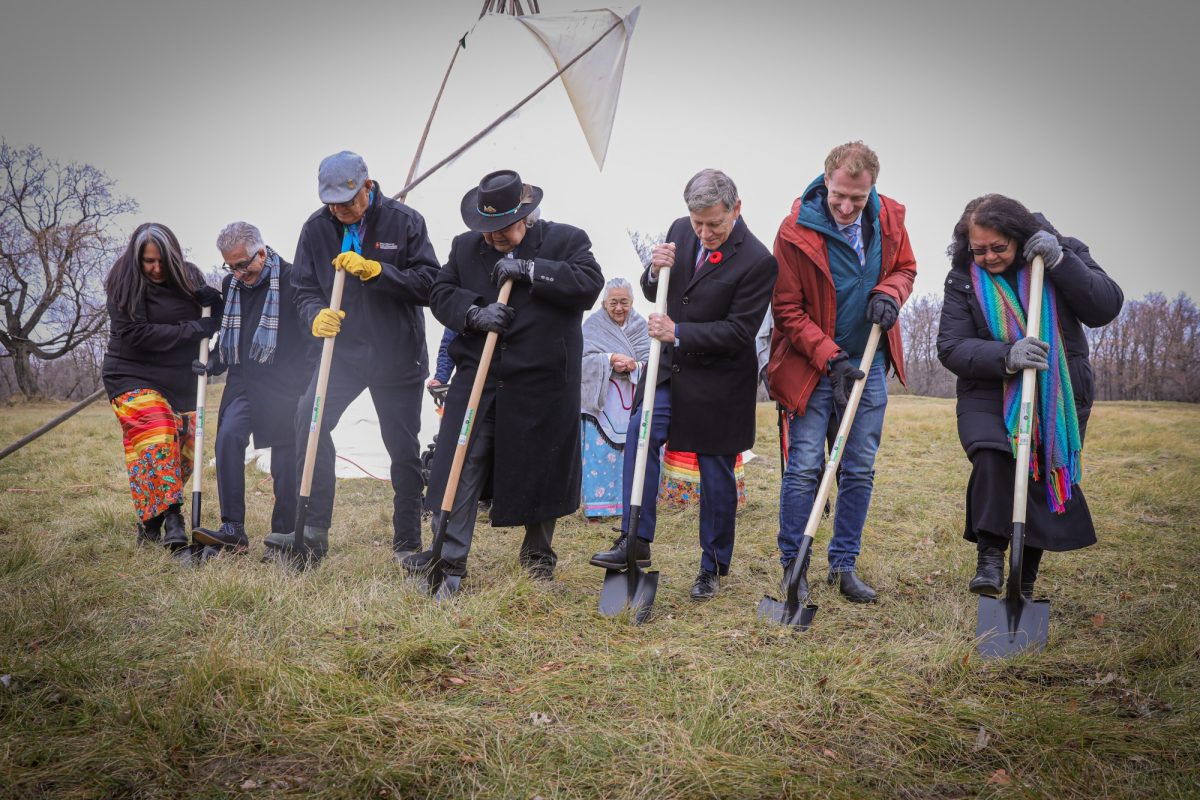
[
  {"x": 633, "y": 587},
  {"x": 1010, "y": 625},
  {"x": 301, "y": 554},
  {"x": 198, "y": 451},
  {"x": 795, "y": 610},
  {"x": 440, "y": 585}
]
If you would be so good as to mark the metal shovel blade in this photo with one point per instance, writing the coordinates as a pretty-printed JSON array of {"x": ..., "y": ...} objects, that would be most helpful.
[
  {"x": 799, "y": 616},
  {"x": 618, "y": 593},
  {"x": 1005, "y": 627}
]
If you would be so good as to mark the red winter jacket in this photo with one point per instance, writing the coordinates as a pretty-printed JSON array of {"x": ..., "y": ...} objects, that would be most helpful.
[{"x": 805, "y": 305}]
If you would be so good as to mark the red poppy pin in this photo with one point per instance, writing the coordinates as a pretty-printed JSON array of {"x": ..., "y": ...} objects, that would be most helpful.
[{"x": 714, "y": 257}]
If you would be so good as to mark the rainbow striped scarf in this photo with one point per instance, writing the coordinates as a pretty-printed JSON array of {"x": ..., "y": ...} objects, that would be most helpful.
[{"x": 1055, "y": 423}]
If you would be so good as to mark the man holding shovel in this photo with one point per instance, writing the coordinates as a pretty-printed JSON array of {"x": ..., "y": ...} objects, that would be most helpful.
[
  {"x": 381, "y": 337},
  {"x": 524, "y": 433},
  {"x": 270, "y": 357},
  {"x": 708, "y": 374},
  {"x": 845, "y": 263}
]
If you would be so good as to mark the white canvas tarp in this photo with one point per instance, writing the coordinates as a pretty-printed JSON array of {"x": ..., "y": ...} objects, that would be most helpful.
[{"x": 594, "y": 82}]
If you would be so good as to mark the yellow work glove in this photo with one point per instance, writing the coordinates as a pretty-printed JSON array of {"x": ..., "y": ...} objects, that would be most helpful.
[
  {"x": 327, "y": 323},
  {"x": 355, "y": 264}
]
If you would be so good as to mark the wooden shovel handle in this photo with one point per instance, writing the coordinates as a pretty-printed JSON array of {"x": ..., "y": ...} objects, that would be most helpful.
[
  {"x": 1028, "y": 410},
  {"x": 643, "y": 442},
  {"x": 468, "y": 424},
  {"x": 318, "y": 410},
  {"x": 201, "y": 397}
]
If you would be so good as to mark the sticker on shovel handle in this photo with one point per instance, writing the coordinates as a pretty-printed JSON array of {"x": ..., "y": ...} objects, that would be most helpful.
[
  {"x": 316, "y": 417},
  {"x": 1025, "y": 423},
  {"x": 465, "y": 432}
]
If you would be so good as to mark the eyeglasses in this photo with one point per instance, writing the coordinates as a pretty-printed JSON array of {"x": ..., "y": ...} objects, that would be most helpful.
[
  {"x": 242, "y": 266},
  {"x": 998, "y": 249}
]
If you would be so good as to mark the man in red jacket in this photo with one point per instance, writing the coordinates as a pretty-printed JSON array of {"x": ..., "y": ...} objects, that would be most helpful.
[{"x": 845, "y": 263}]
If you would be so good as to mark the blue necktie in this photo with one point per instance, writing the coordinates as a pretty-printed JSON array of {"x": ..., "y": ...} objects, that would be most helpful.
[{"x": 851, "y": 233}]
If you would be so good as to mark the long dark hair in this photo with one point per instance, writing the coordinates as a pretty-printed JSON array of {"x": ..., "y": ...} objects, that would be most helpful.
[
  {"x": 126, "y": 285},
  {"x": 1002, "y": 214}
]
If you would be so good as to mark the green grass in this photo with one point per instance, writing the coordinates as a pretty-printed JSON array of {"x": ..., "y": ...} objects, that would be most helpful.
[{"x": 133, "y": 678}]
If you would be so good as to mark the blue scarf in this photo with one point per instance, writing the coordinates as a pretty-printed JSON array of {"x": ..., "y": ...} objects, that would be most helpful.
[{"x": 262, "y": 346}]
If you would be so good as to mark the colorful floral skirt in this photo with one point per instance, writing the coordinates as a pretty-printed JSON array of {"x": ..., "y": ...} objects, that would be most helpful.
[
  {"x": 680, "y": 484},
  {"x": 158, "y": 450},
  {"x": 602, "y": 464}
]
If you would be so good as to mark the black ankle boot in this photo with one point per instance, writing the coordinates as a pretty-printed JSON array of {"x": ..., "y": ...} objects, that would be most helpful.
[
  {"x": 989, "y": 572},
  {"x": 150, "y": 531},
  {"x": 175, "y": 534}
]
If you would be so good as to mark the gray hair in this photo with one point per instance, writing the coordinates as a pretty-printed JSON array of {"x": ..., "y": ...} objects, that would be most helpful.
[
  {"x": 533, "y": 217},
  {"x": 709, "y": 187},
  {"x": 242, "y": 233},
  {"x": 617, "y": 283}
]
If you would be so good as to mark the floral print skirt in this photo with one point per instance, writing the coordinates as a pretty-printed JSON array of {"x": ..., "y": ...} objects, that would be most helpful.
[{"x": 158, "y": 450}]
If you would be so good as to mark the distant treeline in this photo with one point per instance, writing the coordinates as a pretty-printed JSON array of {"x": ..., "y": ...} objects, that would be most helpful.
[{"x": 1150, "y": 352}]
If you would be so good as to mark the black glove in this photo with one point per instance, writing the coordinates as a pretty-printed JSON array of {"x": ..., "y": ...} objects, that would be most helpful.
[
  {"x": 494, "y": 318},
  {"x": 1044, "y": 244},
  {"x": 208, "y": 296},
  {"x": 842, "y": 375},
  {"x": 200, "y": 368},
  {"x": 519, "y": 269},
  {"x": 1027, "y": 353},
  {"x": 210, "y": 325},
  {"x": 882, "y": 310}
]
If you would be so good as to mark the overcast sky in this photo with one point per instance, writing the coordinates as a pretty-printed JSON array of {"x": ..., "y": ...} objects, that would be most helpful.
[{"x": 206, "y": 112}]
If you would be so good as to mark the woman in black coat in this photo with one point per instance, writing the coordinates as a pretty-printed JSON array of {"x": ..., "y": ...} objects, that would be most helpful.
[
  {"x": 154, "y": 309},
  {"x": 982, "y": 341}
]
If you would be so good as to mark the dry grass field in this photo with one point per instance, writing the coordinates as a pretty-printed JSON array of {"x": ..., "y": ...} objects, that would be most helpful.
[{"x": 127, "y": 676}]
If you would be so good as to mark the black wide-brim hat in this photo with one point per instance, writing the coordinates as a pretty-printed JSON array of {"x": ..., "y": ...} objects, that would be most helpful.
[{"x": 500, "y": 200}]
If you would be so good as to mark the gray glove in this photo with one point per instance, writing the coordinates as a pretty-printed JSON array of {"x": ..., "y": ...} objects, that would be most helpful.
[
  {"x": 842, "y": 375},
  {"x": 1027, "y": 353},
  {"x": 494, "y": 318},
  {"x": 882, "y": 310},
  {"x": 1044, "y": 244}
]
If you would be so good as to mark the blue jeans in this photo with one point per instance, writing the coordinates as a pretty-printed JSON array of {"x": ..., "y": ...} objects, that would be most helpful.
[{"x": 806, "y": 459}]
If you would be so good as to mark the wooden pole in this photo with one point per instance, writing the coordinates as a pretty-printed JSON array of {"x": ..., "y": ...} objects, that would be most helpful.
[
  {"x": 54, "y": 423},
  {"x": 496, "y": 122}
]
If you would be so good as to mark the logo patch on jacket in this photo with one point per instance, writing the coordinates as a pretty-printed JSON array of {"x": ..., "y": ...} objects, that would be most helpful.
[{"x": 386, "y": 246}]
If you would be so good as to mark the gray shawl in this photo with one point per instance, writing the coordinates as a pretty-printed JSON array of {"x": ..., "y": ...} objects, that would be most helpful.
[{"x": 602, "y": 336}]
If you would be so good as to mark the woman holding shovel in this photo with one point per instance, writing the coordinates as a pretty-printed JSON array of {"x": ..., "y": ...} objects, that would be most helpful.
[
  {"x": 155, "y": 302},
  {"x": 982, "y": 340}
]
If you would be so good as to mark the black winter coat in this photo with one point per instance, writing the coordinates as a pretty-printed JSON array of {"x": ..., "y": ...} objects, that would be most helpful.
[
  {"x": 534, "y": 375},
  {"x": 718, "y": 309},
  {"x": 273, "y": 389},
  {"x": 154, "y": 348},
  {"x": 384, "y": 328},
  {"x": 1085, "y": 296}
]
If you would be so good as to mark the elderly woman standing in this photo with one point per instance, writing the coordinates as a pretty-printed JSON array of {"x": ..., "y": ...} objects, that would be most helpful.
[
  {"x": 982, "y": 340},
  {"x": 615, "y": 350},
  {"x": 154, "y": 309}
]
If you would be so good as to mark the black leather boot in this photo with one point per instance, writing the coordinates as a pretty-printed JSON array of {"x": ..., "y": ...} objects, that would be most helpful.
[
  {"x": 175, "y": 534},
  {"x": 150, "y": 531},
  {"x": 989, "y": 572},
  {"x": 1030, "y": 561},
  {"x": 852, "y": 587},
  {"x": 616, "y": 557},
  {"x": 706, "y": 585}
]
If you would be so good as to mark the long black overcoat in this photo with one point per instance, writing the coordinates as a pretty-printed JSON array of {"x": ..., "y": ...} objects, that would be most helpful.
[
  {"x": 535, "y": 373},
  {"x": 274, "y": 388},
  {"x": 714, "y": 369},
  {"x": 1085, "y": 296}
]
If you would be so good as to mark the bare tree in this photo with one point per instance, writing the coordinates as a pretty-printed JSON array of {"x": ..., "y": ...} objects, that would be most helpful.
[
  {"x": 56, "y": 242},
  {"x": 919, "y": 319}
]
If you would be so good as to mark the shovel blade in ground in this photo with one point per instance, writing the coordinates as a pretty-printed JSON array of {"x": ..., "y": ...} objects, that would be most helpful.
[
  {"x": 800, "y": 616},
  {"x": 1005, "y": 628},
  {"x": 617, "y": 594}
]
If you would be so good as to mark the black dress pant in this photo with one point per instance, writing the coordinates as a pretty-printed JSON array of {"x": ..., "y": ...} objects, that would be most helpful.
[
  {"x": 233, "y": 437},
  {"x": 398, "y": 407}
]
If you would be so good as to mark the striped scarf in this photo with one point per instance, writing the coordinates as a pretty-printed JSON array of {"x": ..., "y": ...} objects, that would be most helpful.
[
  {"x": 262, "y": 346},
  {"x": 1055, "y": 423}
]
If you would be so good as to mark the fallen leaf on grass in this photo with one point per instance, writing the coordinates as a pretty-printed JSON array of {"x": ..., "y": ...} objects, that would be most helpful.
[
  {"x": 1073, "y": 707},
  {"x": 516, "y": 689},
  {"x": 981, "y": 739},
  {"x": 551, "y": 666},
  {"x": 455, "y": 680},
  {"x": 1000, "y": 777},
  {"x": 1124, "y": 596},
  {"x": 1171, "y": 586},
  {"x": 249, "y": 784},
  {"x": 1098, "y": 621},
  {"x": 824, "y": 679},
  {"x": 6, "y": 681},
  {"x": 467, "y": 759},
  {"x": 828, "y": 753},
  {"x": 539, "y": 719}
]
